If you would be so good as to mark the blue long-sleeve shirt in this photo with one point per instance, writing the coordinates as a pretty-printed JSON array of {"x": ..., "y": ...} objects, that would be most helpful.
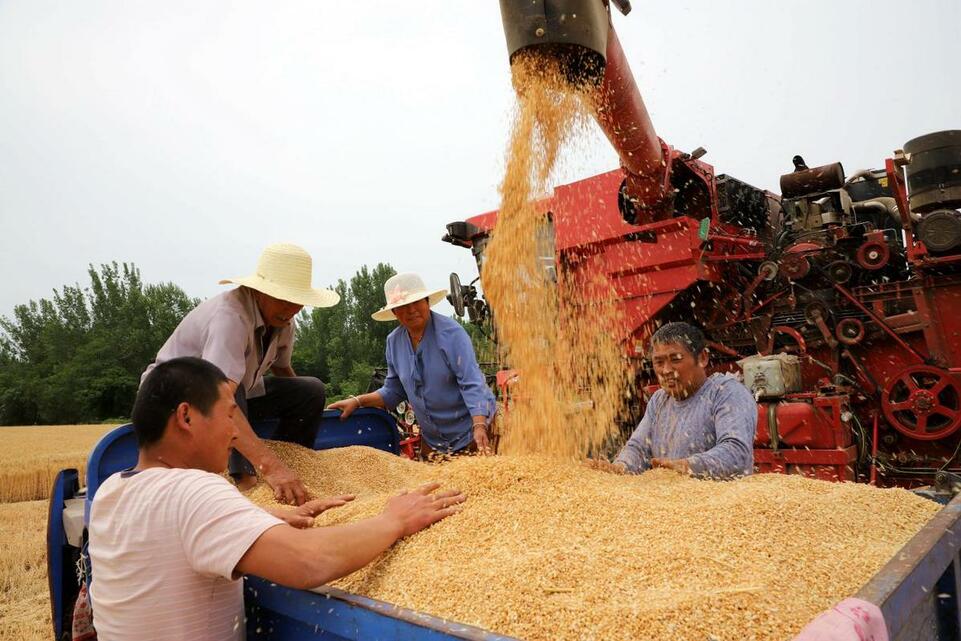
[
  {"x": 713, "y": 429},
  {"x": 441, "y": 380}
]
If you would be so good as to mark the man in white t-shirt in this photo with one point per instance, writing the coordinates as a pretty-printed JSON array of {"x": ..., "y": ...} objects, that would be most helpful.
[{"x": 170, "y": 539}]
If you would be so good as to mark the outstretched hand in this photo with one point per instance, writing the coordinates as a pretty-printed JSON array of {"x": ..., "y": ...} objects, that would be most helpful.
[
  {"x": 421, "y": 508},
  {"x": 303, "y": 516}
]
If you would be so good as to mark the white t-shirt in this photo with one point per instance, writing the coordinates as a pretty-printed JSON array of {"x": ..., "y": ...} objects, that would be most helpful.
[{"x": 163, "y": 547}]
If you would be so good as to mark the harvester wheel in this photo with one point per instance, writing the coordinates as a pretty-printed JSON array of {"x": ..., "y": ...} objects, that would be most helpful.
[{"x": 923, "y": 403}]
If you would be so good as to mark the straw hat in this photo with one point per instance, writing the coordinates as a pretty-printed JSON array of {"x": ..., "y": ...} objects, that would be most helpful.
[
  {"x": 401, "y": 289},
  {"x": 283, "y": 272}
]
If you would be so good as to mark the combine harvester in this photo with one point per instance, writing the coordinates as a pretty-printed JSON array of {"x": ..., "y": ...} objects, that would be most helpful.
[{"x": 838, "y": 299}]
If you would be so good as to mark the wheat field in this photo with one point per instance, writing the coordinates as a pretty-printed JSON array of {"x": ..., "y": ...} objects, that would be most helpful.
[
  {"x": 24, "y": 599},
  {"x": 30, "y": 458}
]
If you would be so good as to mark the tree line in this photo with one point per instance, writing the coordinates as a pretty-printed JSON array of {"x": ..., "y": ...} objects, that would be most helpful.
[{"x": 78, "y": 356}]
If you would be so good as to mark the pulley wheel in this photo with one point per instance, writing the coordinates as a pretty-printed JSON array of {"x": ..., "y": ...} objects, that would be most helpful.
[
  {"x": 874, "y": 255},
  {"x": 840, "y": 271},
  {"x": 794, "y": 266},
  {"x": 850, "y": 331},
  {"x": 923, "y": 403},
  {"x": 768, "y": 270},
  {"x": 815, "y": 311}
]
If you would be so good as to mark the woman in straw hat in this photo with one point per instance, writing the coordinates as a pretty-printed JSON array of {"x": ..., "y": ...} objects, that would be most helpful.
[
  {"x": 247, "y": 332},
  {"x": 431, "y": 364}
]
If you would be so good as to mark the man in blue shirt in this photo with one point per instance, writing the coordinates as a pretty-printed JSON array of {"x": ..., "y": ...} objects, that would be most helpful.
[
  {"x": 695, "y": 424},
  {"x": 431, "y": 364}
]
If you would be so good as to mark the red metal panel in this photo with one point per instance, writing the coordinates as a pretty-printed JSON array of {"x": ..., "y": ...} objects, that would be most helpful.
[
  {"x": 815, "y": 425},
  {"x": 827, "y": 465}
]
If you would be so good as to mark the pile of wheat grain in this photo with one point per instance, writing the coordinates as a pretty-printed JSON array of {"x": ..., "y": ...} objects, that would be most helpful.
[
  {"x": 546, "y": 549},
  {"x": 24, "y": 598},
  {"x": 31, "y": 456},
  {"x": 560, "y": 330}
]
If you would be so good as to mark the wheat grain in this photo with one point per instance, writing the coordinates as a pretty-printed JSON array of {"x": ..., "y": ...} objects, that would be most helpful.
[
  {"x": 560, "y": 328},
  {"x": 545, "y": 549}
]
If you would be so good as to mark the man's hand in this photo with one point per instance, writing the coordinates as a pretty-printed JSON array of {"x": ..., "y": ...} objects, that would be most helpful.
[
  {"x": 483, "y": 441},
  {"x": 287, "y": 486},
  {"x": 677, "y": 464},
  {"x": 605, "y": 466},
  {"x": 303, "y": 516},
  {"x": 421, "y": 508},
  {"x": 346, "y": 406}
]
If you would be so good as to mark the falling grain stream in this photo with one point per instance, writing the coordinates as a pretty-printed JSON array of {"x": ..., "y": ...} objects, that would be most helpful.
[{"x": 547, "y": 549}]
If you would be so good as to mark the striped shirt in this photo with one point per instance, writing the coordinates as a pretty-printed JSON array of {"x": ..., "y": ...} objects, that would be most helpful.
[{"x": 164, "y": 544}]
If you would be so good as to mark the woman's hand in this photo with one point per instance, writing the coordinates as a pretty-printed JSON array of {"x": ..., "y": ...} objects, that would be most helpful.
[
  {"x": 346, "y": 406},
  {"x": 482, "y": 439}
]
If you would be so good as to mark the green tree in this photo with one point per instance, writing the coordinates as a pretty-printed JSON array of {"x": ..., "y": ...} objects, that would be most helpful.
[
  {"x": 342, "y": 345},
  {"x": 79, "y": 356},
  {"x": 482, "y": 338}
]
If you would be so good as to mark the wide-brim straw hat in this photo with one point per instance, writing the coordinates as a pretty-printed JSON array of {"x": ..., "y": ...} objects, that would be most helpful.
[
  {"x": 402, "y": 289},
  {"x": 284, "y": 272}
]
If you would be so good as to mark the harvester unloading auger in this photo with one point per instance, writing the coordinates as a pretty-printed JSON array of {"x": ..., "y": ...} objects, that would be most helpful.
[
  {"x": 839, "y": 299},
  {"x": 581, "y": 35}
]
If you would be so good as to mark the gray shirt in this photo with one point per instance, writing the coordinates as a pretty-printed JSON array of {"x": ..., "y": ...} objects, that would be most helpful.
[
  {"x": 713, "y": 429},
  {"x": 228, "y": 331}
]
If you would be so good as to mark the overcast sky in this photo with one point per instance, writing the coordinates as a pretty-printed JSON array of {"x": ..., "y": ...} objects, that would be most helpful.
[{"x": 184, "y": 136}]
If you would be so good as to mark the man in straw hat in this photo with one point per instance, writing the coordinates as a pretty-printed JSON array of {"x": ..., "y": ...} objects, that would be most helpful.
[
  {"x": 247, "y": 332},
  {"x": 431, "y": 364}
]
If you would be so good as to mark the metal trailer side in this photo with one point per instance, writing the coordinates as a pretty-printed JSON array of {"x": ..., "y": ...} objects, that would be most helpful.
[
  {"x": 919, "y": 590},
  {"x": 276, "y": 613}
]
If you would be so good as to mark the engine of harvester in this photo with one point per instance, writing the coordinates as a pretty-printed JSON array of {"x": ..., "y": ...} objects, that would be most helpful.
[
  {"x": 848, "y": 329},
  {"x": 839, "y": 300}
]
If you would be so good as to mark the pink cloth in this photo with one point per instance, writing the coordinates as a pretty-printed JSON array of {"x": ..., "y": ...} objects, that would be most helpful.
[{"x": 849, "y": 620}]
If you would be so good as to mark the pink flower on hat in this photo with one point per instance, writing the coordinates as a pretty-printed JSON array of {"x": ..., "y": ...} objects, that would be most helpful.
[
  {"x": 397, "y": 295},
  {"x": 401, "y": 289}
]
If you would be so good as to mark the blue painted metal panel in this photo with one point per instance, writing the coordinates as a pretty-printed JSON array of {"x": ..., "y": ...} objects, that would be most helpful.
[
  {"x": 275, "y": 613},
  {"x": 117, "y": 450},
  {"x": 59, "y": 566},
  {"x": 369, "y": 427},
  {"x": 922, "y": 570}
]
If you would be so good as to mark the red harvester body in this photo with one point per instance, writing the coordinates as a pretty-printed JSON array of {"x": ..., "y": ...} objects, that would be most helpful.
[{"x": 840, "y": 299}]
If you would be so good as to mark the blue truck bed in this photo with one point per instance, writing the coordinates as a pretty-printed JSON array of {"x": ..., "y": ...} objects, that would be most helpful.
[{"x": 917, "y": 591}]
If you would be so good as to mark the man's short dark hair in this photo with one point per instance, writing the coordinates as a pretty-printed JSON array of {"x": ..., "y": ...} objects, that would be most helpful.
[
  {"x": 684, "y": 334},
  {"x": 179, "y": 380}
]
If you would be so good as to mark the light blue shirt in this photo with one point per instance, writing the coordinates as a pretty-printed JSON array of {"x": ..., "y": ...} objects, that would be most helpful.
[
  {"x": 713, "y": 429},
  {"x": 441, "y": 380}
]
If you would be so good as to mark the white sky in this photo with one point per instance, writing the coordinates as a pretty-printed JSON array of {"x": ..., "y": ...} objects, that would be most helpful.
[{"x": 184, "y": 135}]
